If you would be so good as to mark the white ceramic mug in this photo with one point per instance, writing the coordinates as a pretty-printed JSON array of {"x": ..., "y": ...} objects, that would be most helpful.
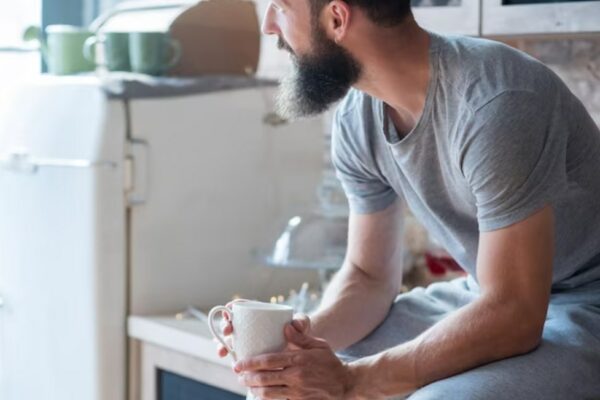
[{"x": 257, "y": 328}]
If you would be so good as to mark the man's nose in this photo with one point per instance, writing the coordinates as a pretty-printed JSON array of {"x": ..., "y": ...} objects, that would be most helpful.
[{"x": 269, "y": 26}]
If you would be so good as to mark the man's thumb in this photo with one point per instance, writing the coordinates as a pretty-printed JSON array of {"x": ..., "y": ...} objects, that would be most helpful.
[
  {"x": 301, "y": 339},
  {"x": 302, "y": 323}
]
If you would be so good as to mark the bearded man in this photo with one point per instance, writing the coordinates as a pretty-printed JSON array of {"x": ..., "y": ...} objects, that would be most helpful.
[{"x": 499, "y": 161}]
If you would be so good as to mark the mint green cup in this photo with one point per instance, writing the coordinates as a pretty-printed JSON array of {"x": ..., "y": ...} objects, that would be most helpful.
[
  {"x": 115, "y": 50},
  {"x": 63, "y": 50},
  {"x": 153, "y": 53}
]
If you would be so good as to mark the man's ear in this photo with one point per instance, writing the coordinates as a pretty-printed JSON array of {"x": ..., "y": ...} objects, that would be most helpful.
[{"x": 335, "y": 18}]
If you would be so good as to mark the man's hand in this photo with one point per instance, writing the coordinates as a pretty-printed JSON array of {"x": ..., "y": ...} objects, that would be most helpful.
[
  {"x": 226, "y": 330},
  {"x": 307, "y": 369},
  {"x": 302, "y": 324},
  {"x": 301, "y": 321}
]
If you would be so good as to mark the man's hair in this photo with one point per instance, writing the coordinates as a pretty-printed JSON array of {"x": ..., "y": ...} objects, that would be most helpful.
[{"x": 384, "y": 12}]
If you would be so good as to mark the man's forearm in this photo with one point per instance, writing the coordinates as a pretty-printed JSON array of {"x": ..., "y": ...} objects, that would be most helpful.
[
  {"x": 481, "y": 332},
  {"x": 352, "y": 306}
]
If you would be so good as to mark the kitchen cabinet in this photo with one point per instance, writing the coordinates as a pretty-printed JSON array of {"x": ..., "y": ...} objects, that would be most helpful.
[
  {"x": 176, "y": 387},
  {"x": 536, "y": 17},
  {"x": 497, "y": 18},
  {"x": 448, "y": 16},
  {"x": 176, "y": 359}
]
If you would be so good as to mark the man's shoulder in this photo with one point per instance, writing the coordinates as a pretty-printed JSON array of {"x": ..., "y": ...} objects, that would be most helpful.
[
  {"x": 355, "y": 122},
  {"x": 479, "y": 70},
  {"x": 356, "y": 113},
  {"x": 355, "y": 102},
  {"x": 477, "y": 51}
]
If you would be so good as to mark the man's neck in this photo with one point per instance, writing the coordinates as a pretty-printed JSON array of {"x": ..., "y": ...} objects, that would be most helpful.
[{"x": 396, "y": 71}]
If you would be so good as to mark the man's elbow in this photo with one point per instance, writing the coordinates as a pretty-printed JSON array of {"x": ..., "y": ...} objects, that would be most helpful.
[
  {"x": 531, "y": 339},
  {"x": 519, "y": 325},
  {"x": 526, "y": 328}
]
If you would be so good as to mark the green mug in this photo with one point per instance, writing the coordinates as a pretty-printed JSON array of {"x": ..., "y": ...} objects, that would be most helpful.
[
  {"x": 115, "y": 50},
  {"x": 153, "y": 53},
  {"x": 63, "y": 48}
]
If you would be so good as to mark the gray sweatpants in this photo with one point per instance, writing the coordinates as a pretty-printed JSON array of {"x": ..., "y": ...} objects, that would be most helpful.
[{"x": 565, "y": 366}]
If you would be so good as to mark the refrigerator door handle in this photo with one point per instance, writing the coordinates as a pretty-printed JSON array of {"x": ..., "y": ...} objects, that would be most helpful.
[
  {"x": 136, "y": 172},
  {"x": 22, "y": 161}
]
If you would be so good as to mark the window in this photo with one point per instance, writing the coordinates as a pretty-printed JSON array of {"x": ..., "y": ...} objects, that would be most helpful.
[{"x": 16, "y": 61}]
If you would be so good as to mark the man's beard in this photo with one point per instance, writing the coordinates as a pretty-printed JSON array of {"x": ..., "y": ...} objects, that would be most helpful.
[{"x": 317, "y": 80}]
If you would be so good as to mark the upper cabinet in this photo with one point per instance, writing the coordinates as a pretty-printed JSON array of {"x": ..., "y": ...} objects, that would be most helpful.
[
  {"x": 534, "y": 17},
  {"x": 508, "y": 17},
  {"x": 448, "y": 16}
]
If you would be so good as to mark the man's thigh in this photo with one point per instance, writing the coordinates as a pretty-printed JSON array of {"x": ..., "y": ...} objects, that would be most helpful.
[{"x": 565, "y": 366}]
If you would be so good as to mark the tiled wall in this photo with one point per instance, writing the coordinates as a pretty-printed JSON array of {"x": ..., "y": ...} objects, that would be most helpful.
[{"x": 577, "y": 62}]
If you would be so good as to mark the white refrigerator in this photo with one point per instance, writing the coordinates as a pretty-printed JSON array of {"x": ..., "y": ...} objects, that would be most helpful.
[{"x": 121, "y": 198}]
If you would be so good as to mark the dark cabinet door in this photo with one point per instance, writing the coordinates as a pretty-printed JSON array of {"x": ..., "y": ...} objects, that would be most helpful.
[
  {"x": 513, "y": 2},
  {"x": 539, "y": 17},
  {"x": 435, "y": 3},
  {"x": 176, "y": 387},
  {"x": 448, "y": 16}
]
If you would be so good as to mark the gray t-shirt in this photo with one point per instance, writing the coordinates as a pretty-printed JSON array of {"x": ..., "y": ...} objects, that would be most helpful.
[{"x": 500, "y": 137}]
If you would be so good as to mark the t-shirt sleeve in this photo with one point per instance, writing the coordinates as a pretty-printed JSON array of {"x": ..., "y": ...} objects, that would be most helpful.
[
  {"x": 367, "y": 191},
  {"x": 513, "y": 158}
]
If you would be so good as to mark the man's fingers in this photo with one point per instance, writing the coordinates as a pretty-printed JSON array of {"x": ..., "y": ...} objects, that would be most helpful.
[
  {"x": 302, "y": 340},
  {"x": 272, "y": 392},
  {"x": 266, "y": 362},
  {"x": 264, "y": 378},
  {"x": 301, "y": 322},
  {"x": 226, "y": 327},
  {"x": 222, "y": 351}
]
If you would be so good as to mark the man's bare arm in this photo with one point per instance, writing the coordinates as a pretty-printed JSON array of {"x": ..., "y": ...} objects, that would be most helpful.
[
  {"x": 361, "y": 293},
  {"x": 514, "y": 268}
]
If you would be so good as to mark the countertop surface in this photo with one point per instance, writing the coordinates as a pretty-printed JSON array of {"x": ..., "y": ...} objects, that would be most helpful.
[
  {"x": 128, "y": 85},
  {"x": 189, "y": 336}
]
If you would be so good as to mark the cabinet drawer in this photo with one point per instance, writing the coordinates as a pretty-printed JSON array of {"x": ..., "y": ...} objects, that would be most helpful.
[{"x": 175, "y": 387}]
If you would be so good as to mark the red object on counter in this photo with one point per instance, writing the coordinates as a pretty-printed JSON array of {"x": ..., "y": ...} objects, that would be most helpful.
[{"x": 440, "y": 265}]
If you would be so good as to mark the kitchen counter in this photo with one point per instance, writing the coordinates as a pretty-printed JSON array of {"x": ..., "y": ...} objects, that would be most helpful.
[
  {"x": 178, "y": 346},
  {"x": 188, "y": 336}
]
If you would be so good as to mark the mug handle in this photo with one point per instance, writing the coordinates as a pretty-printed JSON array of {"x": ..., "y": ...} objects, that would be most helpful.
[
  {"x": 216, "y": 310},
  {"x": 176, "y": 53},
  {"x": 89, "y": 49}
]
